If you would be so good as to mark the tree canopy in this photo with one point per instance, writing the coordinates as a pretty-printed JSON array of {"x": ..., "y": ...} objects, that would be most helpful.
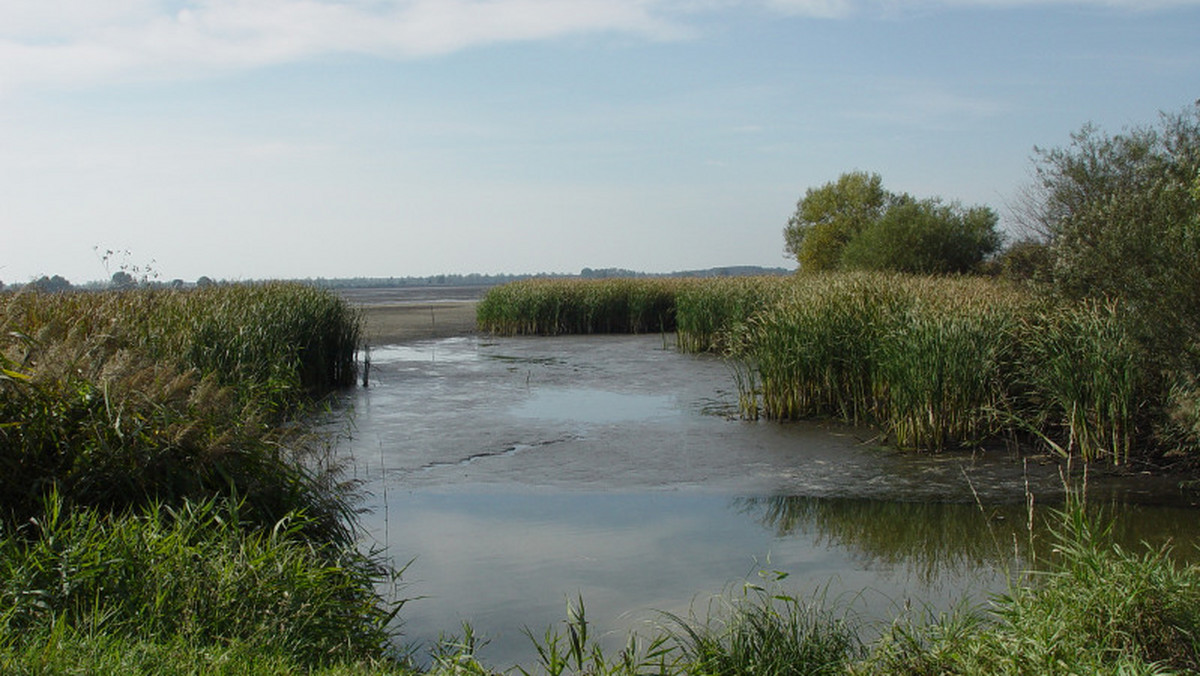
[
  {"x": 1120, "y": 217},
  {"x": 854, "y": 223}
]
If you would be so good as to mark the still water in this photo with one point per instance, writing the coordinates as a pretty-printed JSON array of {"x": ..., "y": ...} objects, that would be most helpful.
[{"x": 519, "y": 473}]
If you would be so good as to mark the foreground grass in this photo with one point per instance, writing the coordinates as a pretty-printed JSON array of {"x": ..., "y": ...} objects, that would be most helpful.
[
  {"x": 191, "y": 579},
  {"x": 1094, "y": 608}
]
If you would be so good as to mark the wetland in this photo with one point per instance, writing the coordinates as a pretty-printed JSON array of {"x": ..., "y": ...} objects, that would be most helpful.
[{"x": 518, "y": 473}]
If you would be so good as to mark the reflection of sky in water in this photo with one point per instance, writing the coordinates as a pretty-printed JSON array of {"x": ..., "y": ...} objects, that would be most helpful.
[
  {"x": 522, "y": 472},
  {"x": 504, "y": 561},
  {"x": 593, "y": 406}
]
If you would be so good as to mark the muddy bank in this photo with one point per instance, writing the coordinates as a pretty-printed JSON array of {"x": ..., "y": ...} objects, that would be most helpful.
[
  {"x": 406, "y": 314},
  {"x": 404, "y": 322}
]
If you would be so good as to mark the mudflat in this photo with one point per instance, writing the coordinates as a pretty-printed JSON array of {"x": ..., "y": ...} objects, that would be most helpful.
[
  {"x": 395, "y": 315},
  {"x": 401, "y": 323}
]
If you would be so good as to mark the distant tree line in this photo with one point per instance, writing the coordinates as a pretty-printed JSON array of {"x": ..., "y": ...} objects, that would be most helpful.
[{"x": 475, "y": 279}]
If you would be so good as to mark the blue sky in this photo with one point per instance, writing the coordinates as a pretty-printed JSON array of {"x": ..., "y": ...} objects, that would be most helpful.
[{"x": 247, "y": 139}]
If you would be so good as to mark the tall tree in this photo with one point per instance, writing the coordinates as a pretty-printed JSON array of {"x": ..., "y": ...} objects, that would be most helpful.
[
  {"x": 854, "y": 223},
  {"x": 925, "y": 237},
  {"x": 1121, "y": 217},
  {"x": 828, "y": 217}
]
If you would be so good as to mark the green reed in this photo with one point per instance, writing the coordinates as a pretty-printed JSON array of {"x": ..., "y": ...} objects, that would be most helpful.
[
  {"x": 944, "y": 367},
  {"x": 711, "y": 313},
  {"x": 567, "y": 306},
  {"x": 188, "y": 576},
  {"x": 814, "y": 351},
  {"x": 1087, "y": 380},
  {"x": 118, "y": 398},
  {"x": 939, "y": 362}
]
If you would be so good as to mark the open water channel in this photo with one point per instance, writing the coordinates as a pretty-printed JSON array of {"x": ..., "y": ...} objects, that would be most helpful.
[{"x": 519, "y": 473}]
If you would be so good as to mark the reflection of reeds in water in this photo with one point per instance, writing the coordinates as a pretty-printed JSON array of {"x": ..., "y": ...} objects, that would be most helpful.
[
  {"x": 928, "y": 540},
  {"x": 933, "y": 540}
]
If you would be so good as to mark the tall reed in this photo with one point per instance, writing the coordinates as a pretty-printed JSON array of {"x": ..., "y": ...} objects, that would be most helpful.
[
  {"x": 930, "y": 361},
  {"x": 119, "y": 398},
  {"x": 564, "y": 306},
  {"x": 711, "y": 313},
  {"x": 814, "y": 350},
  {"x": 154, "y": 489},
  {"x": 1087, "y": 380}
]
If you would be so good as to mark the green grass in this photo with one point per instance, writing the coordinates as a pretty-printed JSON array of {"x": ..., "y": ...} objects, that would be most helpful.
[
  {"x": 192, "y": 576},
  {"x": 162, "y": 507}
]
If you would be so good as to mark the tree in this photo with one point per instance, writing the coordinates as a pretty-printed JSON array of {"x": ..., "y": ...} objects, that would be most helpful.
[
  {"x": 827, "y": 218},
  {"x": 925, "y": 237},
  {"x": 854, "y": 223},
  {"x": 122, "y": 280},
  {"x": 55, "y": 284},
  {"x": 1120, "y": 215}
]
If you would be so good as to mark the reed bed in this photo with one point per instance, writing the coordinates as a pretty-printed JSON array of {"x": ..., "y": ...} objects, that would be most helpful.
[
  {"x": 550, "y": 307},
  {"x": 119, "y": 398},
  {"x": 944, "y": 362},
  {"x": 1088, "y": 381},
  {"x": 934, "y": 363},
  {"x": 157, "y": 485},
  {"x": 710, "y": 313}
]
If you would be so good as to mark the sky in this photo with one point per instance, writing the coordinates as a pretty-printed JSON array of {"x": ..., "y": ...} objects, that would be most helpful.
[{"x": 253, "y": 139}]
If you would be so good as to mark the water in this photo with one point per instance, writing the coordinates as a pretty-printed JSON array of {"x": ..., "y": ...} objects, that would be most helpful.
[{"x": 519, "y": 473}]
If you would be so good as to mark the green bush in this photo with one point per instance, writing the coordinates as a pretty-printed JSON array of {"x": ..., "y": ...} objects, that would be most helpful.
[
  {"x": 1119, "y": 216},
  {"x": 854, "y": 223},
  {"x": 924, "y": 237}
]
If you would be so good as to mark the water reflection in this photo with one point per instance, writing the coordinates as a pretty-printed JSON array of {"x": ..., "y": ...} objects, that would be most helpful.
[
  {"x": 520, "y": 472},
  {"x": 935, "y": 540},
  {"x": 928, "y": 540},
  {"x": 593, "y": 406}
]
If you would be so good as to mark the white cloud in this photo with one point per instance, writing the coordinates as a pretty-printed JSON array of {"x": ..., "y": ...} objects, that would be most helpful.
[
  {"x": 84, "y": 42},
  {"x": 846, "y": 8},
  {"x": 815, "y": 8},
  {"x": 78, "y": 42}
]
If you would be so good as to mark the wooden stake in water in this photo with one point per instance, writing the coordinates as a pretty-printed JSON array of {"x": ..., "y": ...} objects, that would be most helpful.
[{"x": 366, "y": 365}]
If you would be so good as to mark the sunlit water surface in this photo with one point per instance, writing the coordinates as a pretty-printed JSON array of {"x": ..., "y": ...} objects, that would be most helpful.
[{"x": 517, "y": 474}]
